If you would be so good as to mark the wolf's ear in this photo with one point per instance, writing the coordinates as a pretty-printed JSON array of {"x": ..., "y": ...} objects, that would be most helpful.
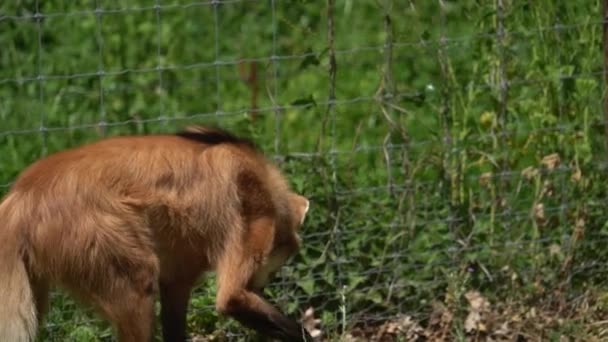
[{"x": 299, "y": 206}]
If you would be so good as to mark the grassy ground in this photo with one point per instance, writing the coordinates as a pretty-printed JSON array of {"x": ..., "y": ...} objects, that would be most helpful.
[{"x": 464, "y": 151}]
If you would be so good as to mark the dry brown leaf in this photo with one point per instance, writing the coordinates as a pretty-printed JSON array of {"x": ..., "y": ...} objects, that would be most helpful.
[
  {"x": 408, "y": 326},
  {"x": 472, "y": 321},
  {"x": 555, "y": 249},
  {"x": 531, "y": 313},
  {"x": 551, "y": 161},
  {"x": 529, "y": 172},
  {"x": 440, "y": 323},
  {"x": 577, "y": 175},
  {"x": 477, "y": 302},
  {"x": 580, "y": 223},
  {"x": 403, "y": 326},
  {"x": 539, "y": 212},
  {"x": 548, "y": 188},
  {"x": 350, "y": 338},
  {"x": 579, "y": 228},
  {"x": 214, "y": 337},
  {"x": 479, "y": 306},
  {"x": 503, "y": 330},
  {"x": 485, "y": 178}
]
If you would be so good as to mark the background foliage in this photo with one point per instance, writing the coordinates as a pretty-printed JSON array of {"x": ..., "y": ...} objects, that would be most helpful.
[{"x": 464, "y": 149}]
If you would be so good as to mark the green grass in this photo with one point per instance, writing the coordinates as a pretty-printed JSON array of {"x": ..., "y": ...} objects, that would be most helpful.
[{"x": 472, "y": 204}]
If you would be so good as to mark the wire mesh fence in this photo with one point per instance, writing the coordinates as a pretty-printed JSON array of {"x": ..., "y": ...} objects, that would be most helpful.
[{"x": 447, "y": 147}]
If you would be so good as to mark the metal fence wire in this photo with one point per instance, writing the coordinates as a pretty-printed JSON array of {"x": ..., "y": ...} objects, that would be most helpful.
[{"x": 454, "y": 151}]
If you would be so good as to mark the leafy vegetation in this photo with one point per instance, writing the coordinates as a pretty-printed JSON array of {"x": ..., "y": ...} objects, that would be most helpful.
[{"x": 465, "y": 148}]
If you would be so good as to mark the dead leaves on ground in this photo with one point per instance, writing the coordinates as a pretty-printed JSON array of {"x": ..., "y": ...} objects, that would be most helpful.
[
  {"x": 400, "y": 328},
  {"x": 479, "y": 309},
  {"x": 476, "y": 320},
  {"x": 483, "y": 321}
]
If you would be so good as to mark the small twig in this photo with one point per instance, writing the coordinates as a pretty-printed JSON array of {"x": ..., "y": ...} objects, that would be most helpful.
[
  {"x": 387, "y": 160},
  {"x": 605, "y": 322}
]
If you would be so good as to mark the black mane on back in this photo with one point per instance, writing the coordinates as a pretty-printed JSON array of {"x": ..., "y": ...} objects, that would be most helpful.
[{"x": 213, "y": 136}]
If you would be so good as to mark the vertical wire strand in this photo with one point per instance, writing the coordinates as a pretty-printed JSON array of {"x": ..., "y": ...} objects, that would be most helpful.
[
  {"x": 216, "y": 24},
  {"x": 605, "y": 69},
  {"x": 43, "y": 130},
  {"x": 276, "y": 106},
  {"x": 275, "y": 72},
  {"x": 388, "y": 88},
  {"x": 446, "y": 121},
  {"x": 502, "y": 81},
  {"x": 503, "y": 97},
  {"x": 159, "y": 64},
  {"x": 561, "y": 117},
  {"x": 335, "y": 206},
  {"x": 100, "y": 68}
]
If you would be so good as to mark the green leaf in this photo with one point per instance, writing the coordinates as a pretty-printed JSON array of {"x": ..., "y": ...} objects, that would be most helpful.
[
  {"x": 308, "y": 285},
  {"x": 306, "y": 102},
  {"x": 310, "y": 59},
  {"x": 355, "y": 281},
  {"x": 83, "y": 333}
]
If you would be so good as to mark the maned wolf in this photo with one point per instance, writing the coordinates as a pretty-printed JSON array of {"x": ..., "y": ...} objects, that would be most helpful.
[{"x": 126, "y": 218}]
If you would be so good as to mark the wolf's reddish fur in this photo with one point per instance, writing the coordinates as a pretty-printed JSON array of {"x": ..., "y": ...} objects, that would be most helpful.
[{"x": 121, "y": 220}]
